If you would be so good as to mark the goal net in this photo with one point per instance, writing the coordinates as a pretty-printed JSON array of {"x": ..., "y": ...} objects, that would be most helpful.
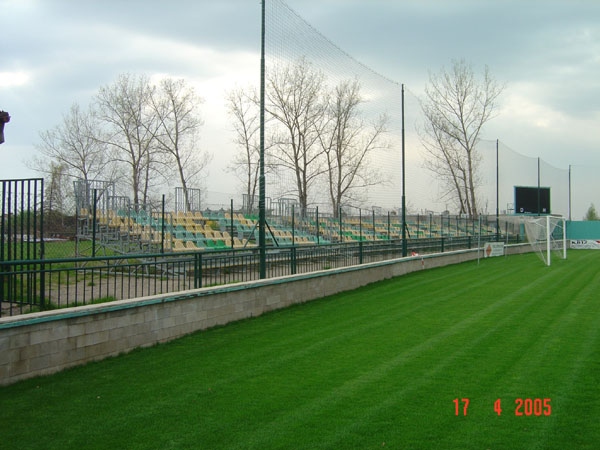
[{"x": 547, "y": 236}]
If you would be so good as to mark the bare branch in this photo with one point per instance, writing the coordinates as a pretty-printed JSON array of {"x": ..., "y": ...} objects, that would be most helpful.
[
  {"x": 456, "y": 107},
  {"x": 296, "y": 102}
]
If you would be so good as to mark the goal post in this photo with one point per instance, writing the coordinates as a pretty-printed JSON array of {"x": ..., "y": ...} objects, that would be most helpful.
[{"x": 547, "y": 235}]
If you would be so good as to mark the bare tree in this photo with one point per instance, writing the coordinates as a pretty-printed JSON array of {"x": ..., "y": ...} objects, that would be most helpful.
[
  {"x": 348, "y": 142},
  {"x": 73, "y": 145},
  {"x": 59, "y": 201},
  {"x": 55, "y": 193},
  {"x": 456, "y": 107},
  {"x": 175, "y": 105},
  {"x": 243, "y": 107},
  {"x": 445, "y": 162},
  {"x": 147, "y": 131},
  {"x": 295, "y": 100},
  {"x": 124, "y": 108}
]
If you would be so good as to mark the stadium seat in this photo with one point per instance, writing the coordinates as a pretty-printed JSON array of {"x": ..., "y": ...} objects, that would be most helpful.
[
  {"x": 190, "y": 245},
  {"x": 220, "y": 244},
  {"x": 179, "y": 246}
]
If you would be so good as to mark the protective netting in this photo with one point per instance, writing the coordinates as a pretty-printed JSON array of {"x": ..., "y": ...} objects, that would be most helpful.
[
  {"x": 510, "y": 168},
  {"x": 290, "y": 41},
  {"x": 584, "y": 190}
]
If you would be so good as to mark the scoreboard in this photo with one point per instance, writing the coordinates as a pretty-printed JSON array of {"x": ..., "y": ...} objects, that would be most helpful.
[{"x": 532, "y": 200}]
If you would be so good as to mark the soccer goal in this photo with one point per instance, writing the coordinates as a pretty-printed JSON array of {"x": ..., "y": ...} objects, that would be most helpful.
[{"x": 547, "y": 235}]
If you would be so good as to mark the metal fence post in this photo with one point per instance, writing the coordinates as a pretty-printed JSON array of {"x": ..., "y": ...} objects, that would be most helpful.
[
  {"x": 293, "y": 254},
  {"x": 293, "y": 227},
  {"x": 94, "y": 222},
  {"x": 341, "y": 239},
  {"x": 197, "y": 270},
  {"x": 373, "y": 213},
  {"x": 360, "y": 237},
  {"x": 389, "y": 227},
  {"x": 231, "y": 223},
  {"x": 42, "y": 254},
  {"x": 162, "y": 225},
  {"x": 318, "y": 232}
]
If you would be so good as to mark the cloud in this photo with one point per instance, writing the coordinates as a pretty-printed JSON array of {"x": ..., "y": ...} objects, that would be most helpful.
[
  {"x": 14, "y": 79},
  {"x": 57, "y": 52},
  {"x": 520, "y": 104}
]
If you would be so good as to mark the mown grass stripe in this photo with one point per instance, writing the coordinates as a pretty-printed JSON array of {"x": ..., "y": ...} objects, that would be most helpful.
[
  {"x": 379, "y": 365},
  {"x": 368, "y": 380}
]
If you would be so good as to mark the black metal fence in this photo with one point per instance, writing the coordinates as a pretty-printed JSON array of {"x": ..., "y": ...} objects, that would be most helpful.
[
  {"x": 21, "y": 219},
  {"x": 34, "y": 285},
  {"x": 112, "y": 250}
]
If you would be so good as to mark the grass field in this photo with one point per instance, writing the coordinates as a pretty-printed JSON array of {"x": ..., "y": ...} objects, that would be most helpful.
[{"x": 390, "y": 365}]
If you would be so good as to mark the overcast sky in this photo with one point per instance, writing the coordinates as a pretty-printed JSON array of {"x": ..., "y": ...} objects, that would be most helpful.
[{"x": 54, "y": 53}]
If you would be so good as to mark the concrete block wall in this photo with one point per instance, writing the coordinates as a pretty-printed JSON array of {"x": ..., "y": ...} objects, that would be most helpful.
[{"x": 47, "y": 342}]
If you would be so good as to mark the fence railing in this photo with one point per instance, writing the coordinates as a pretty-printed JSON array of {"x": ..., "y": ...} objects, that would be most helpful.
[
  {"x": 111, "y": 249},
  {"x": 36, "y": 285}
]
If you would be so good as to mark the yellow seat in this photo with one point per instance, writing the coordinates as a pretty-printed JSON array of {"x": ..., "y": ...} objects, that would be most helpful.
[
  {"x": 189, "y": 245},
  {"x": 179, "y": 246}
]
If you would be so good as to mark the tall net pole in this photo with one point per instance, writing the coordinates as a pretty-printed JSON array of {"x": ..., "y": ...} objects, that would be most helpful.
[
  {"x": 564, "y": 236},
  {"x": 569, "y": 197},
  {"x": 539, "y": 207},
  {"x": 548, "y": 239},
  {"x": 497, "y": 192},
  {"x": 261, "y": 181},
  {"x": 404, "y": 249}
]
